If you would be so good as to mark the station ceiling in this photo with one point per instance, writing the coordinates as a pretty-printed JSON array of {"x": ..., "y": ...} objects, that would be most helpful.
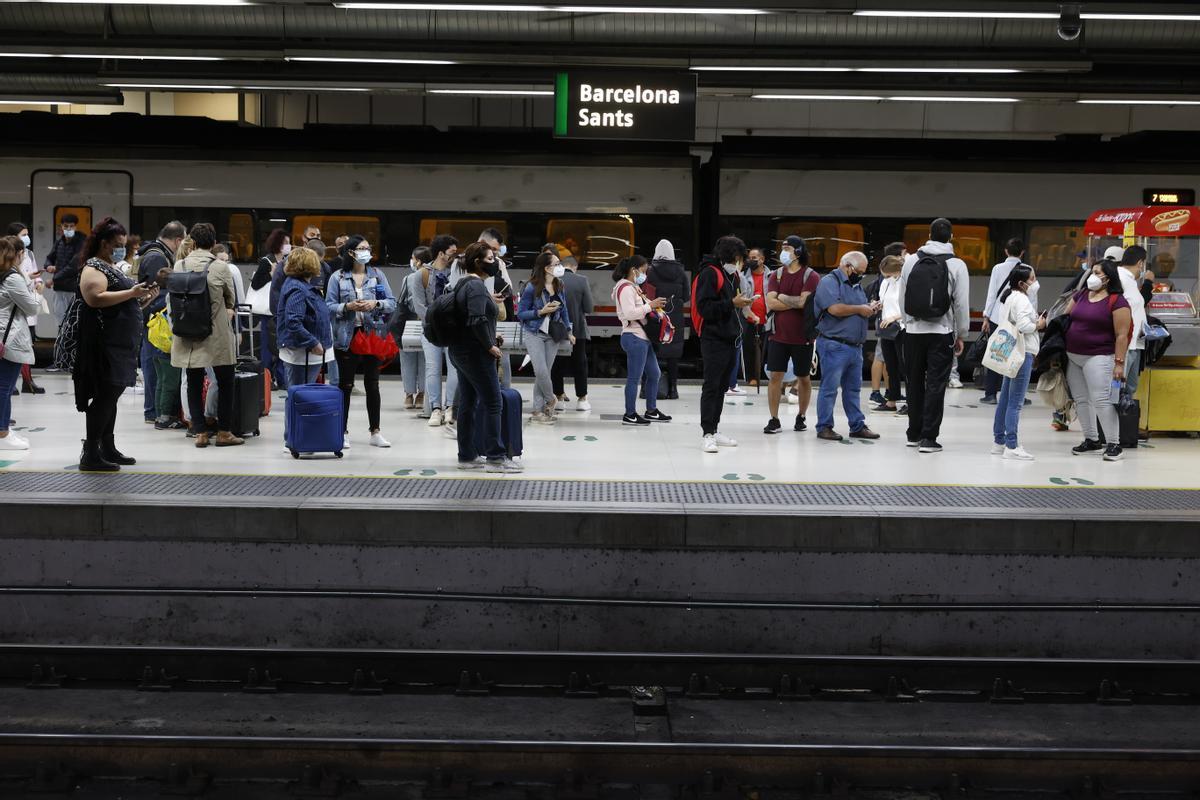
[{"x": 959, "y": 47}]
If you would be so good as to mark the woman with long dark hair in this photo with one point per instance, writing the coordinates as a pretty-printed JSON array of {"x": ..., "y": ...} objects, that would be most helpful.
[
  {"x": 109, "y": 337},
  {"x": 543, "y": 312},
  {"x": 632, "y": 309},
  {"x": 270, "y": 267},
  {"x": 27, "y": 266},
  {"x": 1017, "y": 309}
]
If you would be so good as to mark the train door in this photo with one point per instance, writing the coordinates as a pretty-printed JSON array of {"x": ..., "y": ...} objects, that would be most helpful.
[{"x": 89, "y": 195}]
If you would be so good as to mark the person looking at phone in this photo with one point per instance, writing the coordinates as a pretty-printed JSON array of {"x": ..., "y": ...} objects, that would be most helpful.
[
  {"x": 632, "y": 309},
  {"x": 716, "y": 306},
  {"x": 789, "y": 290},
  {"x": 543, "y": 312},
  {"x": 842, "y": 312},
  {"x": 579, "y": 305}
]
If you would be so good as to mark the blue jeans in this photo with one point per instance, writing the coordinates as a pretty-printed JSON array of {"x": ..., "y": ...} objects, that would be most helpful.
[
  {"x": 841, "y": 367},
  {"x": 434, "y": 398},
  {"x": 412, "y": 369},
  {"x": 9, "y": 372},
  {"x": 149, "y": 379},
  {"x": 641, "y": 360},
  {"x": 1008, "y": 405},
  {"x": 1133, "y": 372},
  {"x": 478, "y": 384}
]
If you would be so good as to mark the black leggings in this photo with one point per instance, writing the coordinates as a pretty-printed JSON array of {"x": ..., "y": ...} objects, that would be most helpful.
[
  {"x": 348, "y": 364},
  {"x": 195, "y": 376},
  {"x": 893, "y": 357},
  {"x": 670, "y": 368},
  {"x": 101, "y": 413}
]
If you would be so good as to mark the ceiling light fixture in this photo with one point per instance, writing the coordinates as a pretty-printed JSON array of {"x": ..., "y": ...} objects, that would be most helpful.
[
  {"x": 401, "y": 6},
  {"x": 34, "y": 103},
  {"x": 1144, "y": 17},
  {"x": 341, "y": 60},
  {"x": 496, "y": 92},
  {"x": 1116, "y": 102},
  {"x": 767, "y": 68},
  {"x": 815, "y": 97},
  {"x": 117, "y": 56},
  {"x": 304, "y": 88},
  {"x": 193, "y": 86},
  {"x": 663, "y": 10},
  {"x": 955, "y": 99},
  {"x": 438, "y": 6},
  {"x": 957, "y": 14},
  {"x": 947, "y": 70},
  {"x": 146, "y": 2}
]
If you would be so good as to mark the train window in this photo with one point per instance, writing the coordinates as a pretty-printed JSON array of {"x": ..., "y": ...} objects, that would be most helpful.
[
  {"x": 972, "y": 243},
  {"x": 1054, "y": 249},
  {"x": 827, "y": 241},
  {"x": 1172, "y": 257},
  {"x": 464, "y": 230},
  {"x": 83, "y": 212},
  {"x": 595, "y": 243},
  {"x": 239, "y": 237},
  {"x": 334, "y": 225}
]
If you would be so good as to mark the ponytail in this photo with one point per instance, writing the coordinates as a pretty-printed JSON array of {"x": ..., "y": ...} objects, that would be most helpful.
[
  {"x": 621, "y": 271},
  {"x": 105, "y": 230},
  {"x": 1018, "y": 275}
]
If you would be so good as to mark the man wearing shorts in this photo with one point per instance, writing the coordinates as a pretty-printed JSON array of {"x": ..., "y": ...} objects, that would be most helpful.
[{"x": 788, "y": 291}]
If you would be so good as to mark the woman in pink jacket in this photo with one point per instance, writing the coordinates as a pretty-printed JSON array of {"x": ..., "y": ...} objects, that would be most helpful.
[{"x": 632, "y": 309}]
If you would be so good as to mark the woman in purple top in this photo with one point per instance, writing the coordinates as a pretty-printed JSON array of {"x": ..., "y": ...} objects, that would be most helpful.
[{"x": 1096, "y": 343}]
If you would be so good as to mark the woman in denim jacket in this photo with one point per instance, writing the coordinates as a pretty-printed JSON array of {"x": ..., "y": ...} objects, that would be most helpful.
[
  {"x": 359, "y": 300},
  {"x": 543, "y": 313}
]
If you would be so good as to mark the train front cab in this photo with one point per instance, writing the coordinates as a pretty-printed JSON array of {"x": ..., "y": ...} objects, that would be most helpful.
[{"x": 1169, "y": 391}]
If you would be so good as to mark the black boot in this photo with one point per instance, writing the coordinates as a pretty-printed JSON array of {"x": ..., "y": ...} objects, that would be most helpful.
[
  {"x": 29, "y": 387},
  {"x": 109, "y": 452},
  {"x": 673, "y": 391},
  {"x": 90, "y": 459}
]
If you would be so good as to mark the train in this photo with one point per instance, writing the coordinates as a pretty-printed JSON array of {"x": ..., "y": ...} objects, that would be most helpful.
[{"x": 838, "y": 195}]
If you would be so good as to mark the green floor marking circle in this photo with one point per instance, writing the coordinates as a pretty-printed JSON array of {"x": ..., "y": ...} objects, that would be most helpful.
[
  {"x": 428, "y": 472},
  {"x": 4, "y": 464},
  {"x": 1084, "y": 481},
  {"x": 568, "y": 438},
  {"x": 1059, "y": 481},
  {"x": 730, "y": 476},
  {"x": 589, "y": 439},
  {"x": 755, "y": 477},
  {"x": 403, "y": 472}
]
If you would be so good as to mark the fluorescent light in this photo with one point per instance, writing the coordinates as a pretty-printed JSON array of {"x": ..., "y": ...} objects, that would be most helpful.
[
  {"x": 148, "y": 2},
  {"x": 501, "y": 92},
  {"x": 304, "y": 88},
  {"x": 950, "y": 70},
  {"x": 814, "y": 97},
  {"x": 438, "y": 6},
  {"x": 340, "y": 60},
  {"x": 956, "y": 99},
  {"x": 768, "y": 68},
  {"x": 1146, "y": 17},
  {"x": 654, "y": 10},
  {"x": 958, "y": 14},
  {"x": 135, "y": 56},
  {"x": 201, "y": 86},
  {"x": 1113, "y": 102},
  {"x": 34, "y": 103}
]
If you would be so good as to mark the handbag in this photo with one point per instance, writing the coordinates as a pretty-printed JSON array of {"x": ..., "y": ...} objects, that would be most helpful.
[
  {"x": 158, "y": 331},
  {"x": 1004, "y": 352},
  {"x": 890, "y": 332},
  {"x": 973, "y": 356},
  {"x": 4, "y": 342},
  {"x": 259, "y": 300},
  {"x": 373, "y": 343}
]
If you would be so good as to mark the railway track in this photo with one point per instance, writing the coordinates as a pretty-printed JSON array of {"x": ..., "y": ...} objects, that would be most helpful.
[{"x": 587, "y": 726}]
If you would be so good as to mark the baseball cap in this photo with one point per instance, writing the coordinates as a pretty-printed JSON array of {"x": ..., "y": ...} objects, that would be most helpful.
[{"x": 1115, "y": 253}]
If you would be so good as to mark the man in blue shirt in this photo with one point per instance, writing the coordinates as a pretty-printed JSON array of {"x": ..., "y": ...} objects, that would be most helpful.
[{"x": 842, "y": 310}]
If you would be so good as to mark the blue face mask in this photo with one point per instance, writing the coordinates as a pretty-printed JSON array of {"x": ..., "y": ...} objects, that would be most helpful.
[
  {"x": 119, "y": 254},
  {"x": 25, "y": 240},
  {"x": 503, "y": 250},
  {"x": 640, "y": 278},
  {"x": 362, "y": 256}
]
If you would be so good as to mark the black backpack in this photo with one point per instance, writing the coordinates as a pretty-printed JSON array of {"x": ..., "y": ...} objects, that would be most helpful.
[
  {"x": 443, "y": 321},
  {"x": 191, "y": 309},
  {"x": 927, "y": 291}
]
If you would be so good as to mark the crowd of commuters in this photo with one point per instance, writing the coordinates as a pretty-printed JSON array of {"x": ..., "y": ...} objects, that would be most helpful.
[{"x": 322, "y": 311}]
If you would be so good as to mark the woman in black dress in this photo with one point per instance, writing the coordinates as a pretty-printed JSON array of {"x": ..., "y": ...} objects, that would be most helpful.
[{"x": 109, "y": 337}]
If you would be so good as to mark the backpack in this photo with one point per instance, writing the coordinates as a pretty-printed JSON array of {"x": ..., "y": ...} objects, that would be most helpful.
[
  {"x": 927, "y": 290},
  {"x": 191, "y": 309},
  {"x": 443, "y": 321},
  {"x": 441, "y": 279},
  {"x": 770, "y": 324},
  {"x": 697, "y": 320},
  {"x": 657, "y": 324}
]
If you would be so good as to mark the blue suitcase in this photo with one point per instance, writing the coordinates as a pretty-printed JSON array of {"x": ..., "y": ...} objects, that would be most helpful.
[
  {"x": 314, "y": 419},
  {"x": 510, "y": 423}
]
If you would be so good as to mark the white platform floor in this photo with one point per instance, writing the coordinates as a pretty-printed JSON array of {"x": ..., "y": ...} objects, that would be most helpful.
[{"x": 594, "y": 445}]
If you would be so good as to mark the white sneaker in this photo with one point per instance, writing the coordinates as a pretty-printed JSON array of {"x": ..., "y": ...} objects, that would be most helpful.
[
  {"x": 436, "y": 418},
  {"x": 725, "y": 441},
  {"x": 505, "y": 465},
  {"x": 1018, "y": 454},
  {"x": 449, "y": 418},
  {"x": 792, "y": 398},
  {"x": 997, "y": 449},
  {"x": 542, "y": 418},
  {"x": 477, "y": 464},
  {"x": 346, "y": 442},
  {"x": 13, "y": 442},
  {"x": 735, "y": 391},
  {"x": 709, "y": 444},
  {"x": 955, "y": 383},
  {"x": 583, "y": 405},
  {"x": 450, "y": 431},
  {"x": 377, "y": 440}
]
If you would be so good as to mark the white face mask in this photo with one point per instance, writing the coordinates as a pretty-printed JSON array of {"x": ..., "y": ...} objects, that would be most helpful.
[
  {"x": 287, "y": 248},
  {"x": 786, "y": 257},
  {"x": 25, "y": 240},
  {"x": 731, "y": 268},
  {"x": 559, "y": 270},
  {"x": 503, "y": 250},
  {"x": 1094, "y": 282},
  {"x": 640, "y": 278},
  {"x": 1033, "y": 287},
  {"x": 69, "y": 234}
]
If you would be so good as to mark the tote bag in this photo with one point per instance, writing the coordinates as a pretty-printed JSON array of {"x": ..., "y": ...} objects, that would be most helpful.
[{"x": 1005, "y": 351}]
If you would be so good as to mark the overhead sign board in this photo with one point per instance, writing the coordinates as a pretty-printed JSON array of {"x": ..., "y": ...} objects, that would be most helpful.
[
  {"x": 648, "y": 106},
  {"x": 1169, "y": 197}
]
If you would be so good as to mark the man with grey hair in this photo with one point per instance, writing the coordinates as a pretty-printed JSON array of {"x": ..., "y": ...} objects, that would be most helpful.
[{"x": 842, "y": 312}]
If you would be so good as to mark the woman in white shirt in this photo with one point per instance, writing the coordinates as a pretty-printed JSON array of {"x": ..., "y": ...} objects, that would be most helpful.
[
  {"x": 1020, "y": 312},
  {"x": 891, "y": 329}
]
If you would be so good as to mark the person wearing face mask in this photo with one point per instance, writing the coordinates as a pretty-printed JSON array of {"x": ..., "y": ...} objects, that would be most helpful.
[
  {"x": 1014, "y": 249},
  {"x": 498, "y": 282},
  {"x": 543, "y": 312},
  {"x": 60, "y": 271},
  {"x": 754, "y": 279},
  {"x": 1016, "y": 307},
  {"x": 789, "y": 290},
  {"x": 842, "y": 312},
  {"x": 426, "y": 284},
  {"x": 931, "y": 345},
  {"x": 579, "y": 305},
  {"x": 107, "y": 337},
  {"x": 670, "y": 281},
  {"x": 18, "y": 302},
  {"x": 632, "y": 309},
  {"x": 412, "y": 363},
  {"x": 716, "y": 305},
  {"x": 277, "y": 247},
  {"x": 360, "y": 302},
  {"x": 1133, "y": 267},
  {"x": 1097, "y": 344},
  {"x": 28, "y": 268}
]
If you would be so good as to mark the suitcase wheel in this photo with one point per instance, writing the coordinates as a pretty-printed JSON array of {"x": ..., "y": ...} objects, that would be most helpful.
[
  {"x": 338, "y": 453},
  {"x": 295, "y": 454}
]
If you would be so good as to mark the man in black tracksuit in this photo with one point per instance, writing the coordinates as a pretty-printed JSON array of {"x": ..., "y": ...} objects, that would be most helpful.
[{"x": 719, "y": 306}]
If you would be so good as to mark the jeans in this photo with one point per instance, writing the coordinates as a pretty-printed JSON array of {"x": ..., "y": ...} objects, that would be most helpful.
[
  {"x": 542, "y": 351},
  {"x": 641, "y": 360},
  {"x": 1133, "y": 371},
  {"x": 348, "y": 365},
  {"x": 149, "y": 378},
  {"x": 929, "y": 357},
  {"x": 579, "y": 369},
  {"x": 1090, "y": 381},
  {"x": 9, "y": 371},
  {"x": 434, "y": 357},
  {"x": 719, "y": 356},
  {"x": 412, "y": 372},
  {"x": 991, "y": 382},
  {"x": 1008, "y": 405},
  {"x": 166, "y": 382},
  {"x": 224, "y": 386},
  {"x": 841, "y": 368},
  {"x": 479, "y": 384}
]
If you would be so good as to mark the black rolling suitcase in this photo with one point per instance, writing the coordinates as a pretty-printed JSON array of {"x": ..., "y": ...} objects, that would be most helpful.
[
  {"x": 247, "y": 379},
  {"x": 1129, "y": 415}
]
